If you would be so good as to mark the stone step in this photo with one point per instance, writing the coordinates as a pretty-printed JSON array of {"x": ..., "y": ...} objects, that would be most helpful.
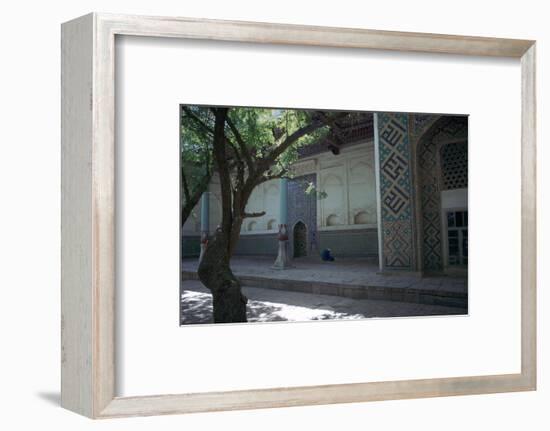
[{"x": 424, "y": 295}]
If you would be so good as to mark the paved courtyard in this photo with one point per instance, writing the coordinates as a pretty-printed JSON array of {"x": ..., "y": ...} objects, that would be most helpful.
[
  {"x": 269, "y": 305},
  {"x": 354, "y": 278}
]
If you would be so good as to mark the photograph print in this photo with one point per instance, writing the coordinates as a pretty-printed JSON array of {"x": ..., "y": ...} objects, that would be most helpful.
[{"x": 310, "y": 215}]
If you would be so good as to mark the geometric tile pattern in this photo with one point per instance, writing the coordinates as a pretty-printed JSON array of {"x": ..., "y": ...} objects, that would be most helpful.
[
  {"x": 302, "y": 207},
  {"x": 430, "y": 205},
  {"x": 395, "y": 190},
  {"x": 454, "y": 165},
  {"x": 397, "y": 240},
  {"x": 431, "y": 151},
  {"x": 454, "y": 128},
  {"x": 398, "y": 133},
  {"x": 419, "y": 124}
]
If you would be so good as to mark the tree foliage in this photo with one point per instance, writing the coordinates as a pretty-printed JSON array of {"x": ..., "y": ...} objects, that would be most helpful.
[
  {"x": 260, "y": 142},
  {"x": 196, "y": 161},
  {"x": 245, "y": 147}
]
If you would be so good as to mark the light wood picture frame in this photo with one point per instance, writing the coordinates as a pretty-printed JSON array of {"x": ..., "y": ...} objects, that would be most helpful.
[{"x": 88, "y": 214}]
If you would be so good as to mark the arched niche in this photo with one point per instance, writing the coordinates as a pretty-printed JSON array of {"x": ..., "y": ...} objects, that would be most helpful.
[
  {"x": 271, "y": 194},
  {"x": 299, "y": 238},
  {"x": 332, "y": 180},
  {"x": 362, "y": 217},
  {"x": 272, "y": 224},
  {"x": 359, "y": 172},
  {"x": 428, "y": 171},
  {"x": 333, "y": 220},
  {"x": 334, "y": 202}
]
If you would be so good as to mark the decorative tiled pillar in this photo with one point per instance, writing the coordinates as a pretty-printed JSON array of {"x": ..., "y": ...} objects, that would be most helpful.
[
  {"x": 396, "y": 192},
  {"x": 283, "y": 257},
  {"x": 303, "y": 207},
  {"x": 205, "y": 222}
]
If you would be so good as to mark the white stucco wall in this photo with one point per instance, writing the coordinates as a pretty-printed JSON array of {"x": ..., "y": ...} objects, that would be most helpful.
[
  {"x": 265, "y": 197},
  {"x": 457, "y": 198},
  {"x": 347, "y": 179},
  {"x": 193, "y": 224}
]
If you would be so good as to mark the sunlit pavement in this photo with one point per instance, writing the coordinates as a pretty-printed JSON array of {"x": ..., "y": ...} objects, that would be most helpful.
[{"x": 268, "y": 305}]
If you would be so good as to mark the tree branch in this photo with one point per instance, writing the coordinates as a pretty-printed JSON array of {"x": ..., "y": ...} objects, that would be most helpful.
[
  {"x": 257, "y": 214},
  {"x": 193, "y": 199},
  {"x": 316, "y": 123},
  {"x": 291, "y": 139},
  {"x": 184, "y": 184},
  {"x": 208, "y": 129},
  {"x": 197, "y": 120},
  {"x": 264, "y": 163},
  {"x": 223, "y": 169},
  {"x": 242, "y": 145},
  {"x": 335, "y": 130},
  {"x": 270, "y": 177}
]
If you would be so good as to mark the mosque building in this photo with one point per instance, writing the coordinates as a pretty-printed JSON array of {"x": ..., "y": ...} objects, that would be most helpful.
[{"x": 391, "y": 187}]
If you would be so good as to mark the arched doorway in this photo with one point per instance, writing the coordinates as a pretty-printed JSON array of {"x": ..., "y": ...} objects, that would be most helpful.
[
  {"x": 434, "y": 243},
  {"x": 454, "y": 200},
  {"x": 299, "y": 235}
]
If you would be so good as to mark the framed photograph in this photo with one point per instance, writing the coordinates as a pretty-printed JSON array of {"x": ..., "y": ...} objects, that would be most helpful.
[
  {"x": 264, "y": 215},
  {"x": 320, "y": 206}
]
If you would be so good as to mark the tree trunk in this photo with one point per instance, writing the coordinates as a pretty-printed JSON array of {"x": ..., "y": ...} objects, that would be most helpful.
[
  {"x": 215, "y": 273},
  {"x": 214, "y": 270}
]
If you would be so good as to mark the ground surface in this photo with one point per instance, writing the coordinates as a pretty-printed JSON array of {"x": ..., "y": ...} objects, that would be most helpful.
[
  {"x": 348, "y": 271},
  {"x": 269, "y": 305}
]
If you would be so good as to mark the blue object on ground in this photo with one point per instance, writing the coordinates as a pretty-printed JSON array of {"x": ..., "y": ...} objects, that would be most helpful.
[{"x": 326, "y": 255}]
